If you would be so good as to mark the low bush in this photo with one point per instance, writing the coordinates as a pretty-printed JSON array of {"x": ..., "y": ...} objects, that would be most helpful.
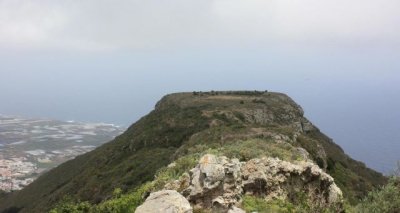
[
  {"x": 260, "y": 205},
  {"x": 175, "y": 171},
  {"x": 384, "y": 200},
  {"x": 68, "y": 205},
  {"x": 120, "y": 203}
]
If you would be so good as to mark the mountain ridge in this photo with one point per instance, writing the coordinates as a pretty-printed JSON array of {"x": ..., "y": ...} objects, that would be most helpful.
[{"x": 184, "y": 124}]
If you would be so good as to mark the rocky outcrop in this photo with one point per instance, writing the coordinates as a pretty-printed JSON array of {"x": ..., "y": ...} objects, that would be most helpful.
[
  {"x": 167, "y": 201},
  {"x": 215, "y": 183},
  {"x": 276, "y": 179},
  {"x": 307, "y": 126},
  {"x": 218, "y": 183}
]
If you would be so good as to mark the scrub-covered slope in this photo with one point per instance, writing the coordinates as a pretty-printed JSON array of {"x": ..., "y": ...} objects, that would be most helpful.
[{"x": 243, "y": 125}]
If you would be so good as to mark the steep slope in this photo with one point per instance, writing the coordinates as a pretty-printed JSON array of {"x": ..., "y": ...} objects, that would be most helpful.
[{"x": 236, "y": 124}]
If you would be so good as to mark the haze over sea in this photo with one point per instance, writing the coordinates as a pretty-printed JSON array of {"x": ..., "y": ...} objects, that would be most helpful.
[
  {"x": 337, "y": 59},
  {"x": 357, "y": 108}
]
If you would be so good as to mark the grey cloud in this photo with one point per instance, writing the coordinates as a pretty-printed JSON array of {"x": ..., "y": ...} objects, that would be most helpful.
[{"x": 109, "y": 25}]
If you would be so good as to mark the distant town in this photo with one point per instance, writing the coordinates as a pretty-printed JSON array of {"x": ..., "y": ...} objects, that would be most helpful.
[{"x": 30, "y": 147}]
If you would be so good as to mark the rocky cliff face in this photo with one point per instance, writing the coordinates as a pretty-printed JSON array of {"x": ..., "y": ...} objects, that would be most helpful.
[{"x": 219, "y": 183}]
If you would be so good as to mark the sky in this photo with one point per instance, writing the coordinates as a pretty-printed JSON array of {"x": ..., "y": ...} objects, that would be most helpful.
[{"x": 111, "y": 61}]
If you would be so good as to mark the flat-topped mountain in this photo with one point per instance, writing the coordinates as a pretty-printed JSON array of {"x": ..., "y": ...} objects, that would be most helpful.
[{"x": 165, "y": 145}]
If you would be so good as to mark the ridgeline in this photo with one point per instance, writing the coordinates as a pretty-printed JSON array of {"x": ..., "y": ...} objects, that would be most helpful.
[{"x": 181, "y": 129}]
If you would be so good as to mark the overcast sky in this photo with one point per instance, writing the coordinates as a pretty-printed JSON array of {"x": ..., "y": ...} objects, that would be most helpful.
[
  {"x": 101, "y": 25},
  {"x": 110, "y": 61}
]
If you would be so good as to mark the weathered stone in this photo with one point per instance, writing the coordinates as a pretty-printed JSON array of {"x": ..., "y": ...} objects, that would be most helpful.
[
  {"x": 259, "y": 116},
  {"x": 179, "y": 185},
  {"x": 167, "y": 201},
  {"x": 274, "y": 178},
  {"x": 335, "y": 194},
  {"x": 212, "y": 169},
  {"x": 218, "y": 182},
  {"x": 215, "y": 183},
  {"x": 304, "y": 154},
  {"x": 307, "y": 126},
  {"x": 236, "y": 210}
]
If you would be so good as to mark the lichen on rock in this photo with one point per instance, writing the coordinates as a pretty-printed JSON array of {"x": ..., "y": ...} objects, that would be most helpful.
[{"x": 218, "y": 183}]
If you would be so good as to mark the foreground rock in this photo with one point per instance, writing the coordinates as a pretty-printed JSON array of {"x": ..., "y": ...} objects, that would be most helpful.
[
  {"x": 218, "y": 183},
  {"x": 276, "y": 179},
  {"x": 167, "y": 201}
]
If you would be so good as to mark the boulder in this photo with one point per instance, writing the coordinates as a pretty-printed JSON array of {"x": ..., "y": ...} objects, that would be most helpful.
[
  {"x": 167, "y": 201},
  {"x": 214, "y": 183}
]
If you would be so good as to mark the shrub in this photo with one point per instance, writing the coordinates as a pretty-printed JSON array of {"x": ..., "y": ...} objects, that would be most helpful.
[
  {"x": 174, "y": 172},
  {"x": 120, "y": 203},
  {"x": 68, "y": 205},
  {"x": 384, "y": 200},
  {"x": 258, "y": 101},
  {"x": 248, "y": 149},
  {"x": 256, "y": 204},
  {"x": 124, "y": 203}
]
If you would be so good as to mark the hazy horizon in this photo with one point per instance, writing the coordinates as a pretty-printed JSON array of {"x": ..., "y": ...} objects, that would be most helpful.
[{"x": 100, "y": 61}]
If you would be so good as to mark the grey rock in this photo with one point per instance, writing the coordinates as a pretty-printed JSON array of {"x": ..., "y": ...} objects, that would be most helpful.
[
  {"x": 218, "y": 183},
  {"x": 236, "y": 210},
  {"x": 307, "y": 126},
  {"x": 167, "y": 201},
  {"x": 215, "y": 182},
  {"x": 304, "y": 154},
  {"x": 277, "y": 179}
]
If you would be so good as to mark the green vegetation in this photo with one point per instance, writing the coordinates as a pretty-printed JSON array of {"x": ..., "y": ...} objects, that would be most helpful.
[
  {"x": 259, "y": 101},
  {"x": 175, "y": 171},
  {"x": 240, "y": 124},
  {"x": 68, "y": 205},
  {"x": 383, "y": 200},
  {"x": 127, "y": 162},
  {"x": 245, "y": 150},
  {"x": 386, "y": 199},
  {"x": 257, "y": 204},
  {"x": 302, "y": 205},
  {"x": 353, "y": 177},
  {"x": 245, "y": 93},
  {"x": 120, "y": 203}
]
